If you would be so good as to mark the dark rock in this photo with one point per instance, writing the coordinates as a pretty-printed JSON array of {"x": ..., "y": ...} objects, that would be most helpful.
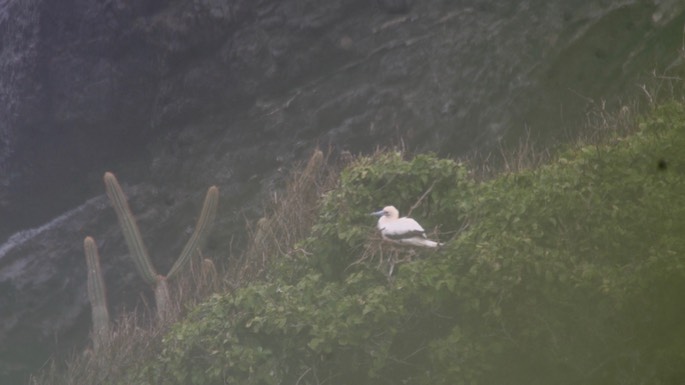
[{"x": 395, "y": 6}]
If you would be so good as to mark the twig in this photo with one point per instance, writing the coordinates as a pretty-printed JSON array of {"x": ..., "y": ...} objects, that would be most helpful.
[
  {"x": 421, "y": 198},
  {"x": 303, "y": 374}
]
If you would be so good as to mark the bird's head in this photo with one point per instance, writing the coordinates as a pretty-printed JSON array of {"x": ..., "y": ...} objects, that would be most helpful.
[{"x": 388, "y": 212}]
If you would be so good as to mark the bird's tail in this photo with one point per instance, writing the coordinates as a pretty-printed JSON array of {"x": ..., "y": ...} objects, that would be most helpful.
[
  {"x": 435, "y": 245},
  {"x": 423, "y": 242}
]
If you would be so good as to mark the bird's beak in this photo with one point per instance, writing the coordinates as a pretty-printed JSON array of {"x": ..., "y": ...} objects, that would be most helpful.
[{"x": 378, "y": 213}]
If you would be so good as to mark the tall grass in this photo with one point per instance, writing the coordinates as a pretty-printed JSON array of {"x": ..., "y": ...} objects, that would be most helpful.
[
  {"x": 600, "y": 126},
  {"x": 136, "y": 335},
  {"x": 290, "y": 217}
]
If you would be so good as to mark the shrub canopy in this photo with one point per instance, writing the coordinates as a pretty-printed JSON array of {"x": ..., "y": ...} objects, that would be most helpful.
[{"x": 569, "y": 273}]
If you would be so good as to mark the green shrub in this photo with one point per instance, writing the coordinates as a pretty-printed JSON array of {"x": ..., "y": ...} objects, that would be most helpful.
[
  {"x": 437, "y": 189},
  {"x": 568, "y": 273}
]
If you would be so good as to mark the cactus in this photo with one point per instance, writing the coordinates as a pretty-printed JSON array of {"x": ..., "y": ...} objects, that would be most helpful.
[
  {"x": 138, "y": 250},
  {"x": 163, "y": 300},
  {"x": 96, "y": 294},
  {"x": 204, "y": 222},
  {"x": 130, "y": 229}
]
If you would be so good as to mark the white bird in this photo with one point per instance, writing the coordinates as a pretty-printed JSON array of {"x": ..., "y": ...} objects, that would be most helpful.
[{"x": 402, "y": 230}]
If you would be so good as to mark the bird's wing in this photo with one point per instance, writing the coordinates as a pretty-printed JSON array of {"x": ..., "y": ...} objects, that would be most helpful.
[{"x": 403, "y": 228}]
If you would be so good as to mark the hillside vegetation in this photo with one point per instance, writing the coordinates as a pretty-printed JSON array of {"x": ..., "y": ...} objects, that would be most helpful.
[{"x": 569, "y": 273}]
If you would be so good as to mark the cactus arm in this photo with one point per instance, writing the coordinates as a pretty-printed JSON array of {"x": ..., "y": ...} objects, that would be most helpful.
[
  {"x": 96, "y": 293},
  {"x": 130, "y": 229},
  {"x": 202, "y": 227}
]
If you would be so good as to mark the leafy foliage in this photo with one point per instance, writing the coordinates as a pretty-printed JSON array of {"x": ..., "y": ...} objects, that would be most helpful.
[
  {"x": 569, "y": 273},
  {"x": 438, "y": 189}
]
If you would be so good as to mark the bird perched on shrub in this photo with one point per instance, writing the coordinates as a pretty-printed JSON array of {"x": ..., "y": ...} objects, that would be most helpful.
[{"x": 402, "y": 230}]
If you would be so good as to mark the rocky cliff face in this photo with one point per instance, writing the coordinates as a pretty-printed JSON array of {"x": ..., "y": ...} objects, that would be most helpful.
[{"x": 175, "y": 96}]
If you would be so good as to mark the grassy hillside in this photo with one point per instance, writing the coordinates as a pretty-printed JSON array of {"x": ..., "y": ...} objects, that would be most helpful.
[{"x": 568, "y": 273}]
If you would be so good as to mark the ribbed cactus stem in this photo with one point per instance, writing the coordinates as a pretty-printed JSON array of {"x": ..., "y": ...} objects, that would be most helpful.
[
  {"x": 163, "y": 300},
  {"x": 204, "y": 223},
  {"x": 96, "y": 293},
  {"x": 130, "y": 229}
]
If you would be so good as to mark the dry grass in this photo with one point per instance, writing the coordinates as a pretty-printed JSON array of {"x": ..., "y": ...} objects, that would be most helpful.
[
  {"x": 136, "y": 335},
  {"x": 600, "y": 127},
  {"x": 132, "y": 341},
  {"x": 289, "y": 219}
]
